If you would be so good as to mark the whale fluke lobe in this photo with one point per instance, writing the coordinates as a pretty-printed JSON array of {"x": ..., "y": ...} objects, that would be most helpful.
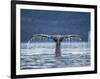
[
  {"x": 57, "y": 39},
  {"x": 41, "y": 35}
]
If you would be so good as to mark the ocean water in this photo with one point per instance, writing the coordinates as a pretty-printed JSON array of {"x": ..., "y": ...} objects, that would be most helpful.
[{"x": 42, "y": 55}]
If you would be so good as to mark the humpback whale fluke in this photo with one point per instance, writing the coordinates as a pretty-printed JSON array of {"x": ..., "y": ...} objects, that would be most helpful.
[{"x": 57, "y": 39}]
